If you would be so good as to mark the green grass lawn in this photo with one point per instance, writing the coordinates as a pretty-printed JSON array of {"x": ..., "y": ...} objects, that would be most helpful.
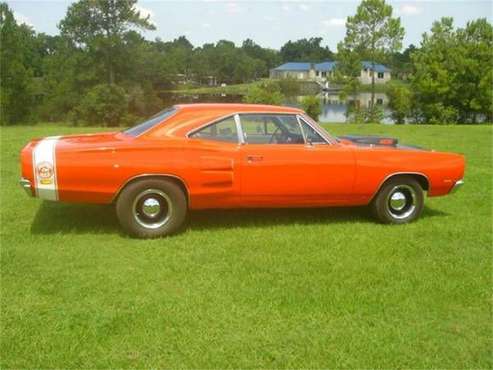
[{"x": 251, "y": 289}]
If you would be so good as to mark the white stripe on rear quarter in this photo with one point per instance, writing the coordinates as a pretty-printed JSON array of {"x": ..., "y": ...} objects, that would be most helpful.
[{"x": 44, "y": 168}]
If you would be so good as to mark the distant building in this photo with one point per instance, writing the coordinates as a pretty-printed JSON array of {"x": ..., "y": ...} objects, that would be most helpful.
[{"x": 320, "y": 72}]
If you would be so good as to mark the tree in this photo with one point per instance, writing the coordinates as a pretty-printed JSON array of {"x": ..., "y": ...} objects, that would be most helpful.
[
  {"x": 264, "y": 93},
  {"x": 372, "y": 34},
  {"x": 99, "y": 25},
  {"x": 454, "y": 73},
  {"x": 312, "y": 106},
  {"x": 400, "y": 101},
  {"x": 16, "y": 68},
  {"x": 305, "y": 50},
  {"x": 104, "y": 104}
]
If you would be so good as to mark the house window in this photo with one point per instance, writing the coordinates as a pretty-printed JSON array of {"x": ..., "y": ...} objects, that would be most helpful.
[
  {"x": 317, "y": 73},
  {"x": 379, "y": 101},
  {"x": 380, "y": 74},
  {"x": 324, "y": 74}
]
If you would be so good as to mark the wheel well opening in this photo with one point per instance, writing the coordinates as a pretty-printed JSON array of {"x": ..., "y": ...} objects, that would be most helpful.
[
  {"x": 421, "y": 179},
  {"x": 171, "y": 178}
]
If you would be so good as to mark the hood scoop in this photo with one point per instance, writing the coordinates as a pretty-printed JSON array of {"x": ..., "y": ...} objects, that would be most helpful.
[{"x": 370, "y": 140}]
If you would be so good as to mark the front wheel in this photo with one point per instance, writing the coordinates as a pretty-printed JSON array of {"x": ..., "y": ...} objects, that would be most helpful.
[
  {"x": 399, "y": 201},
  {"x": 151, "y": 208}
]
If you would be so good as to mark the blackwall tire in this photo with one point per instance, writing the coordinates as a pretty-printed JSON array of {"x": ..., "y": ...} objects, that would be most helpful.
[
  {"x": 399, "y": 201},
  {"x": 152, "y": 208}
]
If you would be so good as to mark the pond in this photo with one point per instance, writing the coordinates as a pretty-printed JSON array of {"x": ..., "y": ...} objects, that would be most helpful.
[{"x": 333, "y": 108}]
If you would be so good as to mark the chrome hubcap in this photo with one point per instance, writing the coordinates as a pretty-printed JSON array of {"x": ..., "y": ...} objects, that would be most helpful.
[
  {"x": 152, "y": 208},
  {"x": 398, "y": 201},
  {"x": 401, "y": 201}
]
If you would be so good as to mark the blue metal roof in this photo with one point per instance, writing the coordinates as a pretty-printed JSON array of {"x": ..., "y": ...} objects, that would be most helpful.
[
  {"x": 325, "y": 66},
  {"x": 294, "y": 66},
  {"x": 378, "y": 67}
]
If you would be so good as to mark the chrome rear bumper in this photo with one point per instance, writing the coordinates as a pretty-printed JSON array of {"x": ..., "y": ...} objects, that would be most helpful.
[
  {"x": 26, "y": 185},
  {"x": 457, "y": 185}
]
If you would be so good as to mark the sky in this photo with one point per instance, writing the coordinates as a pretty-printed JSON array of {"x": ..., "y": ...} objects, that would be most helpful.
[{"x": 268, "y": 23}]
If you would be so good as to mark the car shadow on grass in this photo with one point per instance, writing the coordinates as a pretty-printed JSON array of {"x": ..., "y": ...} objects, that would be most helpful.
[{"x": 63, "y": 218}]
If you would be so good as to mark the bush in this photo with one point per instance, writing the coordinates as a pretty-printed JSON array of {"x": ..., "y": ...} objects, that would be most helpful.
[
  {"x": 264, "y": 93},
  {"x": 355, "y": 113},
  {"x": 312, "y": 106},
  {"x": 400, "y": 101},
  {"x": 374, "y": 114},
  {"x": 289, "y": 86},
  {"x": 104, "y": 104}
]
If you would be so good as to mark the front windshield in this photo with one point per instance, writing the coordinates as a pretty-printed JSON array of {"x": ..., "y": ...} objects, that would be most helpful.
[{"x": 151, "y": 122}]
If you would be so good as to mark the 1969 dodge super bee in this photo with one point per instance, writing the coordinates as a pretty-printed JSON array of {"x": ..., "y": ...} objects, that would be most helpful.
[{"x": 230, "y": 156}]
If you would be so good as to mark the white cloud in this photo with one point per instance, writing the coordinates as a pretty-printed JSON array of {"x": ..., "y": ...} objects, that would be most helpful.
[
  {"x": 144, "y": 12},
  {"x": 285, "y": 8},
  {"x": 233, "y": 8},
  {"x": 22, "y": 19},
  {"x": 206, "y": 25},
  {"x": 409, "y": 9},
  {"x": 304, "y": 7},
  {"x": 334, "y": 22}
]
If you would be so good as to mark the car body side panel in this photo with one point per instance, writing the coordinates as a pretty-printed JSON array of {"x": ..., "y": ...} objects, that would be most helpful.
[
  {"x": 280, "y": 175},
  {"x": 375, "y": 165},
  {"x": 94, "y": 168}
]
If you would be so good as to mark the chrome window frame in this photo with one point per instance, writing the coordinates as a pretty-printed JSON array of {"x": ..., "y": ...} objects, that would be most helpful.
[
  {"x": 239, "y": 129},
  {"x": 323, "y": 134},
  {"x": 295, "y": 115},
  {"x": 217, "y": 120}
]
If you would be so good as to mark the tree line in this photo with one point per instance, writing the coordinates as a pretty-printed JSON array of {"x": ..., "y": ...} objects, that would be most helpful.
[{"x": 99, "y": 69}]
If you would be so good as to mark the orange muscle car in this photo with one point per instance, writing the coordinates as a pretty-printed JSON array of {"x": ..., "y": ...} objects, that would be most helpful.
[{"x": 229, "y": 156}]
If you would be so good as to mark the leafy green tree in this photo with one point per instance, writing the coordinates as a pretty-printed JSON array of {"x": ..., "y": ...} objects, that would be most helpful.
[
  {"x": 373, "y": 34},
  {"x": 454, "y": 73},
  {"x": 16, "y": 69},
  {"x": 99, "y": 25},
  {"x": 400, "y": 101},
  {"x": 104, "y": 104},
  {"x": 305, "y": 50},
  {"x": 312, "y": 106},
  {"x": 264, "y": 93}
]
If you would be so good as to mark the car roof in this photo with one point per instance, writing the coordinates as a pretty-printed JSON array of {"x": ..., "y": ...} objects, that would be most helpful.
[
  {"x": 192, "y": 116},
  {"x": 238, "y": 107}
]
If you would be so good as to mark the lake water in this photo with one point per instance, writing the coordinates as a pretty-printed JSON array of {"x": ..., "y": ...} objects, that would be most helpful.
[{"x": 333, "y": 108}]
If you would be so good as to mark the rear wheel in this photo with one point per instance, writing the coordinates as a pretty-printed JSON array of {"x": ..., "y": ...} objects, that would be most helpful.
[
  {"x": 151, "y": 208},
  {"x": 399, "y": 201}
]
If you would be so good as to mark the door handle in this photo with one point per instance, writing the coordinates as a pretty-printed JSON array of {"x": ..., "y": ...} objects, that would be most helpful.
[{"x": 254, "y": 158}]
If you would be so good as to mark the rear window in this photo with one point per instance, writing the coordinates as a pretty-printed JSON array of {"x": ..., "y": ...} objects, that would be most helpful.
[{"x": 151, "y": 122}]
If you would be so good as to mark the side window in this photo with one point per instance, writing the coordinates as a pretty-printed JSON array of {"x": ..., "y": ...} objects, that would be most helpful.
[
  {"x": 312, "y": 135},
  {"x": 224, "y": 130},
  {"x": 271, "y": 129}
]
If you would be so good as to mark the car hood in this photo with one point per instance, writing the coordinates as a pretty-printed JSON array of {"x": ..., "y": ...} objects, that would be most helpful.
[{"x": 372, "y": 140}]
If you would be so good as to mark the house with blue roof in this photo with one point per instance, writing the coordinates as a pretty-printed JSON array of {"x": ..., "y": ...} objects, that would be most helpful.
[{"x": 320, "y": 72}]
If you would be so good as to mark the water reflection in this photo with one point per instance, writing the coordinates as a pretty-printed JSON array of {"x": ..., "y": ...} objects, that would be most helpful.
[{"x": 333, "y": 107}]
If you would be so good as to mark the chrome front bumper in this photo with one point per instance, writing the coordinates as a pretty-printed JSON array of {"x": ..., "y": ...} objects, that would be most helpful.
[
  {"x": 457, "y": 185},
  {"x": 26, "y": 185}
]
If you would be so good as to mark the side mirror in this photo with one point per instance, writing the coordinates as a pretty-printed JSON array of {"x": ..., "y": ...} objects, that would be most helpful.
[{"x": 309, "y": 141}]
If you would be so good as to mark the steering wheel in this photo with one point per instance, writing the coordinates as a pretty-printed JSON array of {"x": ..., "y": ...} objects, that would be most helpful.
[{"x": 280, "y": 139}]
